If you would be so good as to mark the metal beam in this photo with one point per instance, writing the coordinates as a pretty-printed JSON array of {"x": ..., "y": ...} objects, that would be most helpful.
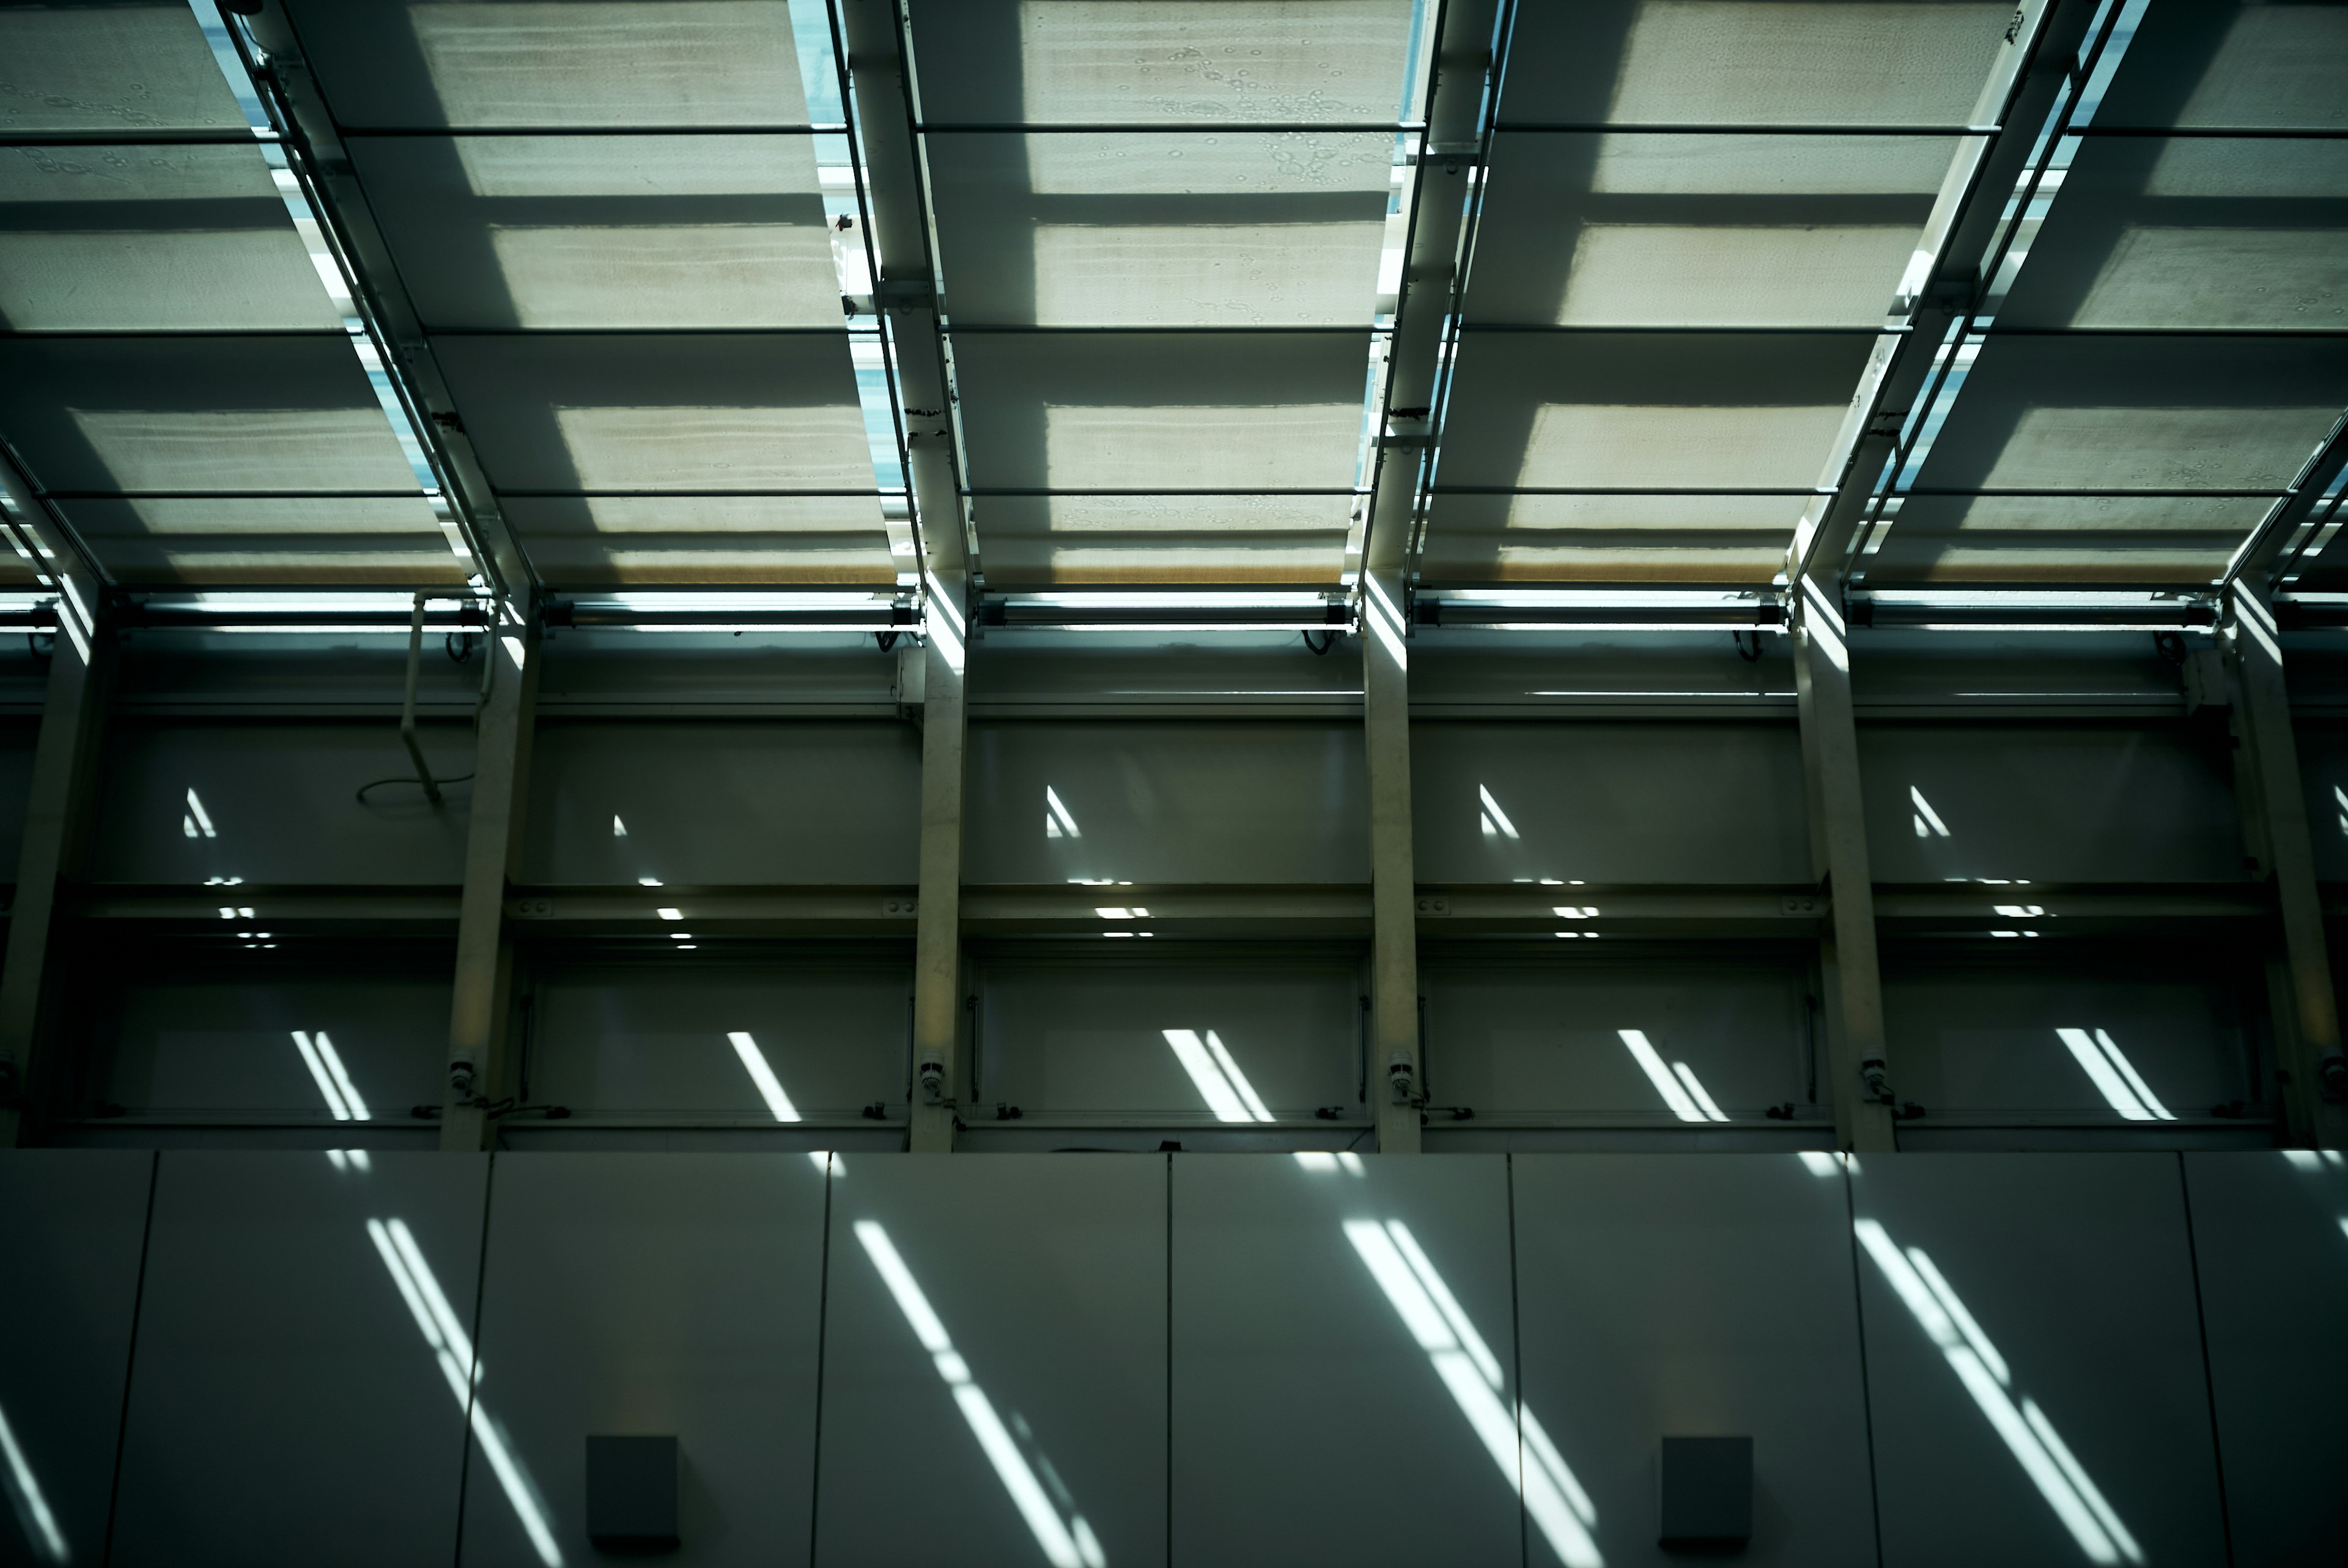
[
  {"x": 56, "y": 808},
  {"x": 493, "y": 845},
  {"x": 1948, "y": 279},
  {"x": 2311, "y": 1073},
  {"x": 1395, "y": 1066},
  {"x": 1859, "y": 1087},
  {"x": 2292, "y": 532},
  {"x": 884, "y": 99}
]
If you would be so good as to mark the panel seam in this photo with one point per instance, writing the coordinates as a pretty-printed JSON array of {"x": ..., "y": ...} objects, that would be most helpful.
[
  {"x": 2209, "y": 1373},
  {"x": 473, "y": 1372},
  {"x": 822, "y": 1319},
  {"x": 1866, "y": 1385},
  {"x": 131, "y": 1357}
]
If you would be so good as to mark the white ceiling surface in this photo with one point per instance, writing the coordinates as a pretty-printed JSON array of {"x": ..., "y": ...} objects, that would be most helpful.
[{"x": 1167, "y": 233}]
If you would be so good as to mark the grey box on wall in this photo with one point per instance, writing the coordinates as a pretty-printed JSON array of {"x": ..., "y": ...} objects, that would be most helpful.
[
  {"x": 632, "y": 1492},
  {"x": 1704, "y": 1494}
]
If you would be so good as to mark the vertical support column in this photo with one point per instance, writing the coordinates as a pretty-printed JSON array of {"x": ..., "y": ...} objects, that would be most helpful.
[
  {"x": 1395, "y": 1068},
  {"x": 1441, "y": 178},
  {"x": 2312, "y": 1068},
  {"x": 883, "y": 95},
  {"x": 57, "y": 812},
  {"x": 478, "y": 1014},
  {"x": 937, "y": 938},
  {"x": 1854, "y": 984}
]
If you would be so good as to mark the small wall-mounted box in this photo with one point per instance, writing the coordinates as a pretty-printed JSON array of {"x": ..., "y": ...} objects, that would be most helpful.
[
  {"x": 1705, "y": 1487},
  {"x": 631, "y": 1493}
]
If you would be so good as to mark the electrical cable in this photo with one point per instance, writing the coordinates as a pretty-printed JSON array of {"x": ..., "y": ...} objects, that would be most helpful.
[{"x": 362, "y": 793}]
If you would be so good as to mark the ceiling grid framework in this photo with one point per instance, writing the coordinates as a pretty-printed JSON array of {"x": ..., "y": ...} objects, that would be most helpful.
[{"x": 628, "y": 265}]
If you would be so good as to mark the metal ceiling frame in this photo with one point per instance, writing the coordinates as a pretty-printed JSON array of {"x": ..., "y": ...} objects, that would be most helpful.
[
  {"x": 2039, "y": 61},
  {"x": 278, "y": 76},
  {"x": 2050, "y": 53}
]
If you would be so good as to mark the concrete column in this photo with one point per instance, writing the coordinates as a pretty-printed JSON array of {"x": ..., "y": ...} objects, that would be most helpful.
[
  {"x": 493, "y": 844},
  {"x": 1854, "y": 985},
  {"x": 56, "y": 816},
  {"x": 1394, "y": 892},
  {"x": 937, "y": 940},
  {"x": 2311, "y": 1071}
]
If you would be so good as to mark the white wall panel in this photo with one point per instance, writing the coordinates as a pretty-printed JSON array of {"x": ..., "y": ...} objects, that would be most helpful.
[
  {"x": 1165, "y": 803},
  {"x": 995, "y": 1362},
  {"x": 289, "y": 1404},
  {"x": 2034, "y": 1361},
  {"x": 72, "y": 1226},
  {"x": 642, "y": 1037},
  {"x": 283, "y": 1046},
  {"x": 1179, "y": 1041},
  {"x": 1325, "y": 1409},
  {"x": 1955, "y": 802},
  {"x": 1608, "y": 803},
  {"x": 1564, "y": 1038},
  {"x": 277, "y": 803},
  {"x": 1706, "y": 1295},
  {"x": 754, "y": 802},
  {"x": 2270, "y": 1237},
  {"x": 653, "y": 1294},
  {"x": 2065, "y": 1039}
]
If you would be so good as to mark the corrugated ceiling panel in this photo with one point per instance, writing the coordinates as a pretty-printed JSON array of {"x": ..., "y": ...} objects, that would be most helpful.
[
  {"x": 150, "y": 238},
  {"x": 1157, "y": 412},
  {"x": 225, "y": 416},
  {"x": 1034, "y": 541},
  {"x": 431, "y": 65},
  {"x": 260, "y": 542},
  {"x": 1163, "y": 62},
  {"x": 1751, "y": 62},
  {"x": 773, "y": 412},
  {"x": 2211, "y": 65},
  {"x": 1239, "y": 229},
  {"x": 634, "y": 541},
  {"x": 1700, "y": 230},
  {"x": 108, "y": 68},
  {"x": 2157, "y": 231},
  {"x": 591, "y": 231}
]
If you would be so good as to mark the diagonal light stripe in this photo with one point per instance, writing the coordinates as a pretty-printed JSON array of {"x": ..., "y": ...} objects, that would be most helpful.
[
  {"x": 2099, "y": 1069},
  {"x": 769, "y": 1087},
  {"x": 1651, "y": 1064},
  {"x": 318, "y": 1075}
]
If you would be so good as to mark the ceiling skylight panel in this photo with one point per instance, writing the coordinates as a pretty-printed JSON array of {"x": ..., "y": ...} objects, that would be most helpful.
[
  {"x": 1157, "y": 412},
  {"x": 2137, "y": 413},
  {"x": 594, "y": 232},
  {"x": 1646, "y": 411},
  {"x": 662, "y": 413},
  {"x": 557, "y": 64},
  {"x": 1171, "y": 446},
  {"x": 1700, "y": 229},
  {"x": 1751, "y": 62},
  {"x": 1229, "y": 228},
  {"x": 108, "y": 68},
  {"x": 264, "y": 540},
  {"x": 615, "y": 541},
  {"x": 147, "y": 239},
  {"x": 1263, "y": 61},
  {"x": 213, "y": 415},
  {"x": 2155, "y": 232},
  {"x": 2087, "y": 538},
  {"x": 2211, "y": 66},
  {"x": 1035, "y": 540}
]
